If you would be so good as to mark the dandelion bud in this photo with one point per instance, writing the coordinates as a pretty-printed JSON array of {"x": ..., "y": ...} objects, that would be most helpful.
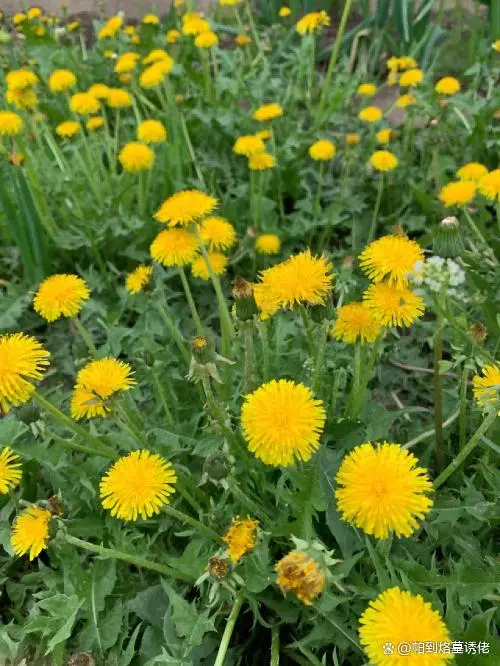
[
  {"x": 397, "y": 230},
  {"x": 478, "y": 332},
  {"x": 217, "y": 466},
  {"x": 218, "y": 567},
  {"x": 81, "y": 659},
  {"x": 55, "y": 506},
  {"x": 348, "y": 262},
  {"x": 448, "y": 238},
  {"x": 252, "y": 232},
  {"x": 246, "y": 307},
  {"x": 201, "y": 349}
]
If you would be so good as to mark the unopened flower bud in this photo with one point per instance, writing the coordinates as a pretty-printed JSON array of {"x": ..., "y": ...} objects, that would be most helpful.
[
  {"x": 252, "y": 232},
  {"x": 218, "y": 567},
  {"x": 397, "y": 230},
  {"x": 448, "y": 238},
  {"x": 55, "y": 506},
  {"x": 347, "y": 262},
  {"x": 478, "y": 332},
  {"x": 217, "y": 466},
  {"x": 81, "y": 659},
  {"x": 244, "y": 300}
]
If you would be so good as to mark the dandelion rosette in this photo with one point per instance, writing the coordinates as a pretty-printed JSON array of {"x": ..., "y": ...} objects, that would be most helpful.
[
  {"x": 355, "y": 322},
  {"x": 10, "y": 470},
  {"x": 138, "y": 279},
  {"x": 217, "y": 233},
  {"x": 30, "y": 532},
  {"x": 22, "y": 358},
  {"x": 175, "y": 247},
  {"x": 185, "y": 207},
  {"x": 240, "y": 538},
  {"x": 391, "y": 258},
  {"x": 392, "y": 305},
  {"x": 299, "y": 573},
  {"x": 138, "y": 484},
  {"x": 399, "y": 617},
  {"x": 381, "y": 489},
  {"x": 61, "y": 295},
  {"x": 96, "y": 383},
  {"x": 282, "y": 422},
  {"x": 218, "y": 264}
]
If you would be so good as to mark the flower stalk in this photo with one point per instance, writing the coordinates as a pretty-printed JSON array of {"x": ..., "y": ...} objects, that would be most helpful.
[{"x": 228, "y": 631}]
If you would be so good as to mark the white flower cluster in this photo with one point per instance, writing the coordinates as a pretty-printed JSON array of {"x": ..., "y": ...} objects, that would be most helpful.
[{"x": 437, "y": 274}]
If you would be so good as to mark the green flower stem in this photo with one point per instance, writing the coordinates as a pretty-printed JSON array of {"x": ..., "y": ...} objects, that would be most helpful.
[
  {"x": 376, "y": 210},
  {"x": 462, "y": 418},
  {"x": 250, "y": 504},
  {"x": 467, "y": 450},
  {"x": 86, "y": 337},
  {"x": 367, "y": 375},
  {"x": 248, "y": 331},
  {"x": 128, "y": 557},
  {"x": 275, "y": 645},
  {"x": 320, "y": 359},
  {"x": 333, "y": 61},
  {"x": 207, "y": 75},
  {"x": 474, "y": 227},
  {"x": 141, "y": 199},
  {"x": 311, "y": 71},
  {"x": 180, "y": 486},
  {"x": 188, "y": 520},
  {"x": 191, "y": 303},
  {"x": 190, "y": 148},
  {"x": 174, "y": 332},
  {"x": 70, "y": 444},
  {"x": 116, "y": 141},
  {"x": 128, "y": 421},
  {"x": 264, "y": 341},
  {"x": 308, "y": 330},
  {"x": 317, "y": 202},
  {"x": 354, "y": 403},
  {"x": 498, "y": 215},
  {"x": 162, "y": 397},
  {"x": 430, "y": 433},
  {"x": 228, "y": 631},
  {"x": 69, "y": 423},
  {"x": 279, "y": 193},
  {"x": 253, "y": 29},
  {"x": 438, "y": 404}
]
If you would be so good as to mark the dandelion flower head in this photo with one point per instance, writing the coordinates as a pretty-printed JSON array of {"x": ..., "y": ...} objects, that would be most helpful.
[
  {"x": 218, "y": 263},
  {"x": 94, "y": 123},
  {"x": 411, "y": 77},
  {"x": 22, "y": 359},
  {"x": 489, "y": 185},
  {"x": 10, "y": 470},
  {"x": 152, "y": 131},
  {"x": 448, "y": 86},
  {"x": 486, "y": 388},
  {"x": 138, "y": 278},
  {"x": 261, "y": 161},
  {"x": 96, "y": 383},
  {"x": 384, "y": 160},
  {"x": 370, "y": 114},
  {"x": 322, "y": 150},
  {"x": 136, "y": 156},
  {"x": 393, "y": 306},
  {"x": 60, "y": 295},
  {"x": 458, "y": 193},
  {"x": 84, "y": 103},
  {"x": 391, "y": 258},
  {"x": 268, "y": 112},
  {"x": 217, "y": 233},
  {"x": 10, "y": 123},
  {"x": 267, "y": 244},
  {"x": 312, "y": 22},
  {"x": 355, "y": 322},
  {"x": 406, "y": 100},
  {"x": 206, "y": 39},
  {"x": 175, "y": 247},
  {"x": 240, "y": 538},
  {"x": 300, "y": 574},
  {"x": 30, "y": 532},
  {"x": 185, "y": 207},
  {"x": 117, "y": 98},
  {"x": 366, "y": 89},
  {"x": 62, "y": 80},
  {"x": 68, "y": 129},
  {"x": 248, "y": 145}
]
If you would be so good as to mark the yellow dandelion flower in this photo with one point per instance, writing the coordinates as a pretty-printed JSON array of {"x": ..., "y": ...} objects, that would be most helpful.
[
  {"x": 355, "y": 322},
  {"x": 96, "y": 383},
  {"x": 19, "y": 18},
  {"x": 68, "y": 129},
  {"x": 138, "y": 484},
  {"x": 312, "y": 22},
  {"x": 22, "y": 358},
  {"x": 370, "y": 114},
  {"x": 61, "y": 80},
  {"x": 150, "y": 19},
  {"x": 405, "y": 100},
  {"x": 489, "y": 185},
  {"x": 30, "y": 532},
  {"x": 284, "y": 12},
  {"x": 381, "y": 489},
  {"x": 268, "y": 112},
  {"x": 261, "y": 161},
  {"x": 10, "y": 470},
  {"x": 384, "y": 160},
  {"x": 411, "y": 78},
  {"x": 179, "y": 99},
  {"x": 21, "y": 99},
  {"x": 154, "y": 56},
  {"x": 242, "y": 40},
  {"x": 322, "y": 150},
  {"x": 496, "y": 45},
  {"x": 248, "y": 145},
  {"x": 152, "y": 131},
  {"x": 175, "y": 247},
  {"x": 263, "y": 134},
  {"x": 229, "y": 3},
  {"x": 217, "y": 233},
  {"x": 129, "y": 30},
  {"x": 34, "y": 13},
  {"x": 486, "y": 389},
  {"x": 60, "y": 295},
  {"x": 84, "y": 103},
  {"x": 206, "y": 40},
  {"x": 448, "y": 86},
  {"x": 241, "y": 538},
  {"x": 111, "y": 28},
  {"x": 136, "y": 156},
  {"x": 267, "y": 244},
  {"x": 472, "y": 171},
  {"x": 459, "y": 193},
  {"x": 399, "y": 617},
  {"x": 185, "y": 207},
  {"x": 172, "y": 36},
  {"x": 127, "y": 62},
  {"x": 352, "y": 139},
  {"x": 10, "y": 123},
  {"x": 218, "y": 263},
  {"x": 20, "y": 79},
  {"x": 366, "y": 89},
  {"x": 74, "y": 25},
  {"x": 300, "y": 574},
  {"x": 117, "y": 98},
  {"x": 384, "y": 136},
  {"x": 99, "y": 90},
  {"x": 195, "y": 26},
  {"x": 393, "y": 306},
  {"x": 94, "y": 123},
  {"x": 391, "y": 258},
  {"x": 138, "y": 279},
  {"x": 282, "y": 422}
]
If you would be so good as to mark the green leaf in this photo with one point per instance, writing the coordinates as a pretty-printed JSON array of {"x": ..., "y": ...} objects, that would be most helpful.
[
  {"x": 58, "y": 620},
  {"x": 478, "y": 631},
  {"x": 189, "y": 623}
]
